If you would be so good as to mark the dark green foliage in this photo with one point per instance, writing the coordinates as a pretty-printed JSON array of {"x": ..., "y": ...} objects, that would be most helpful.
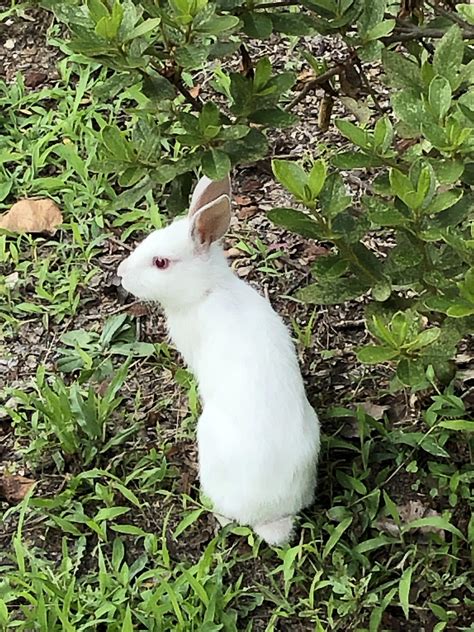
[{"x": 419, "y": 195}]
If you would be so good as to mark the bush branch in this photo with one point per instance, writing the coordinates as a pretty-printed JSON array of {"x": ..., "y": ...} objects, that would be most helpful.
[
  {"x": 314, "y": 83},
  {"x": 402, "y": 35}
]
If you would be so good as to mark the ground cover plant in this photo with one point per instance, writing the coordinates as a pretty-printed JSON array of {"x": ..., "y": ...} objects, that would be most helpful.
[{"x": 348, "y": 126}]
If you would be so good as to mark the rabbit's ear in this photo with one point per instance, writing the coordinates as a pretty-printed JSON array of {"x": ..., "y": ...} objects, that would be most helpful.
[
  {"x": 211, "y": 222},
  {"x": 208, "y": 191}
]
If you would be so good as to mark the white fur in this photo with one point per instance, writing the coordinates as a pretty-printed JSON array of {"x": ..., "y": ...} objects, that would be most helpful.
[{"x": 258, "y": 436}]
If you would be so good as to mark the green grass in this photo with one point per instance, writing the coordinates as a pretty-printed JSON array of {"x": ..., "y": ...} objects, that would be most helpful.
[{"x": 115, "y": 535}]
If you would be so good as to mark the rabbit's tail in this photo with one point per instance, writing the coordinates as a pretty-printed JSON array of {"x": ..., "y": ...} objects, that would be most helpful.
[{"x": 276, "y": 533}]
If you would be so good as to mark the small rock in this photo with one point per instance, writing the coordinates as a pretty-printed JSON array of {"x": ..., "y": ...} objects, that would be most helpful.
[
  {"x": 9, "y": 44},
  {"x": 232, "y": 253}
]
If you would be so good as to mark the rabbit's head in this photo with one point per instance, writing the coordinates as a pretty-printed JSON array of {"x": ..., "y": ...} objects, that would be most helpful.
[{"x": 179, "y": 264}]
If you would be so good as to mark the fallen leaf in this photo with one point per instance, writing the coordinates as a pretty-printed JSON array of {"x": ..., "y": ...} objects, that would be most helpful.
[
  {"x": 306, "y": 75},
  {"x": 138, "y": 309},
  {"x": 34, "y": 78},
  {"x": 242, "y": 200},
  {"x": 14, "y": 488},
  {"x": 11, "y": 280},
  {"x": 32, "y": 216},
  {"x": 359, "y": 109},
  {"x": 246, "y": 212},
  {"x": 409, "y": 512},
  {"x": 194, "y": 91}
]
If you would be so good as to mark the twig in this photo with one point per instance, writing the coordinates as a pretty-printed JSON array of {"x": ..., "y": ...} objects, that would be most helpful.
[
  {"x": 196, "y": 103},
  {"x": 449, "y": 15},
  {"x": 117, "y": 242},
  {"x": 122, "y": 308},
  {"x": 313, "y": 84},
  {"x": 277, "y": 5},
  {"x": 371, "y": 91},
  {"x": 417, "y": 33}
]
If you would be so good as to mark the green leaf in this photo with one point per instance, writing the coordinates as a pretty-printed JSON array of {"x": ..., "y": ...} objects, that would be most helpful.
[
  {"x": 333, "y": 197},
  {"x": 401, "y": 72},
  {"x": 263, "y": 72},
  {"x": 382, "y": 29},
  {"x": 382, "y": 214},
  {"x": 338, "y": 291},
  {"x": 374, "y": 354},
  {"x": 295, "y": 221},
  {"x": 116, "y": 143},
  {"x": 257, "y": 25},
  {"x": 127, "y": 625},
  {"x": 158, "y": 88},
  {"x": 273, "y": 117},
  {"x": 143, "y": 28},
  {"x": 247, "y": 150},
  {"x": 330, "y": 266},
  {"x": 109, "y": 513},
  {"x": 192, "y": 56},
  {"x": 424, "y": 339},
  {"x": 439, "y": 97},
  {"x": 447, "y": 59},
  {"x": 404, "y": 591},
  {"x": 293, "y": 23},
  {"x": 97, "y": 10},
  {"x": 411, "y": 373},
  {"x": 355, "y": 134},
  {"x": 187, "y": 521},
  {"x": 215, "y": 164},
  {"x": 130, "y": 197},
  {"x": 355, "y": 160},
  {"x": 447, "y": 171},
  {"x": 209, "y": 116},
  {"x": 463, "y": 425},
  {"x": 317, "y": 177},
  {"x": 466, "y": 11},
  {"x": 403, "y": 188},
  {"x": 382, "y": 290},
  {"x": 292, "y": 176},
  {"x": 436, "y": 522},
  {"x": 383, "y": 134},
  {"x": 409, "y": 108},
  {"x": 336, "y": 535},
  {"x": 444, "y": 200},
  {"x": 108, "y": 26},
  {"x": 218, "y": 24}
]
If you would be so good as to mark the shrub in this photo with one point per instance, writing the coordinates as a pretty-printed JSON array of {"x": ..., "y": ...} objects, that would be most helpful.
[{"x": 418, "y": 157}]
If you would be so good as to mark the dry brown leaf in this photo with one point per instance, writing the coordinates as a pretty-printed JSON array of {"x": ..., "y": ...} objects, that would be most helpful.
[
  {"x": 242, "y": 200},
  {"x": 374, "y": 410},
  {"x": 32, "y": 216},
  {"x": 306, "y": 75},
  {"x": 14, "y": 488},
  {"x": 246, "y": 212},
  {"x": 194, "y": 91},
  {"x": 409, "y": 512},
  {"x": 138, "y": 309}
]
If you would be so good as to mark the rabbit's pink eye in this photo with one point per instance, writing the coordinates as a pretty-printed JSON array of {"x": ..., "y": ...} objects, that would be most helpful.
[{"x": 161, "y": 263}]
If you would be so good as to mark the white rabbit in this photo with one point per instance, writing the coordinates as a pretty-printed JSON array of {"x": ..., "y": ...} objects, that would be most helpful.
[{"x": 258, "y": 436}]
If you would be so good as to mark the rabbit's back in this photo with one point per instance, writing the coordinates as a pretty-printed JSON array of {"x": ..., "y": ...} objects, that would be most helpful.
[{"x": 258, "y": 436}]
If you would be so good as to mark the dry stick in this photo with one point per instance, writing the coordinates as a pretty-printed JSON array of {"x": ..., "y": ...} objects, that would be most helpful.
[
  {"x": 313, "y": 84},
  {"x": 276, "y": 5},
  {"x": 416, "y": 33},
  {"x": 450, "y": 15},
  {"x": 371, "y": 91}
]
